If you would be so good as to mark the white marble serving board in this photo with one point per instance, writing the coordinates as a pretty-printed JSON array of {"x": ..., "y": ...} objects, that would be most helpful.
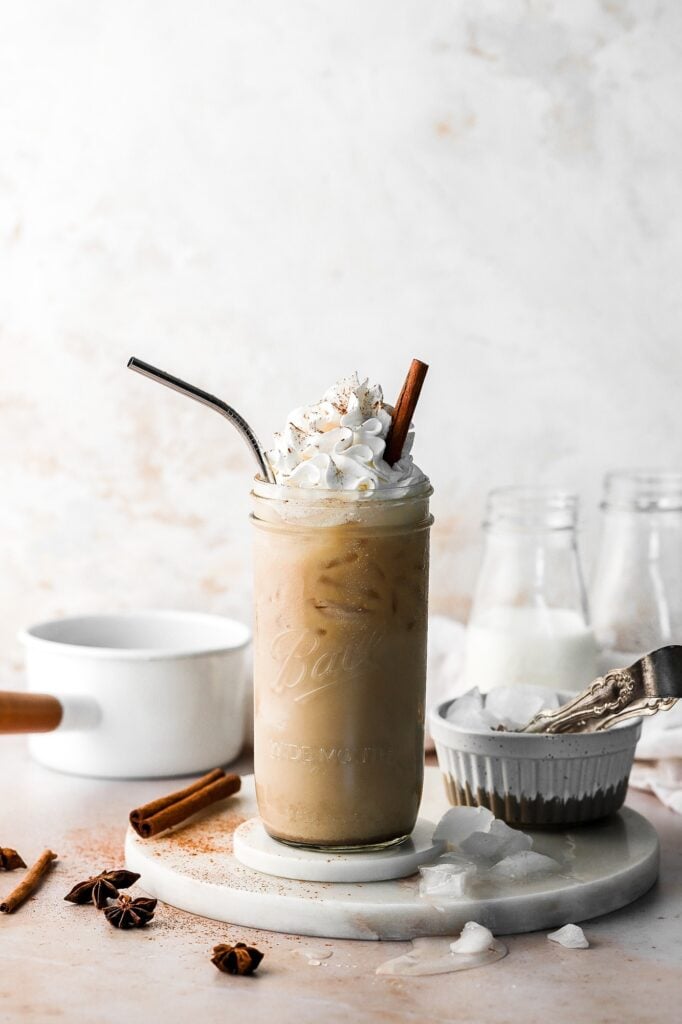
[{"x": 604, "y": 866}]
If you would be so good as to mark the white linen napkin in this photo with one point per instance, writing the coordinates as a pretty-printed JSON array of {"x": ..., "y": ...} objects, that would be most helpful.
[
  {"x": 445, "y": 652},
  {"x": 658, "y": 759}
]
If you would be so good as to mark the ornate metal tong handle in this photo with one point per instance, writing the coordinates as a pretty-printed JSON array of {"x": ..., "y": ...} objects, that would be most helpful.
[{"x": 652, "y": 684}]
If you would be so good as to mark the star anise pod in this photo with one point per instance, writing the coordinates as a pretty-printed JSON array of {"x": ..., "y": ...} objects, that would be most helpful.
[
  {"x": 237, "y": 959},
  {"x": 101, "y": 887},
  {"x": 129, "y": 913},
  {"x": 10, "y": 859}
]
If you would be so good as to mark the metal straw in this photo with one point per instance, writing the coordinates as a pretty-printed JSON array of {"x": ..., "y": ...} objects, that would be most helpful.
[{"x": 213, "y": 403}]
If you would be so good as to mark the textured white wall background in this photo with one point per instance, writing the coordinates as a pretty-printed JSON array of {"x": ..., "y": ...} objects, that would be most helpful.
[{"x": 263, "y": 196}]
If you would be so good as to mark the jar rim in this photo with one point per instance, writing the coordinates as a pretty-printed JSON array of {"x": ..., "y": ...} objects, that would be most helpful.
[
  {"x": 323, "y": 496},
  {"x": 531, "y": 507},
  {"x": 643, "y": 490},
  {"x": 359, "y": 529}
]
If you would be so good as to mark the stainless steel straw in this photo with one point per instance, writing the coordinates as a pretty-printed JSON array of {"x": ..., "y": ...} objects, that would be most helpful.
[{"x": 213, "y": 403}]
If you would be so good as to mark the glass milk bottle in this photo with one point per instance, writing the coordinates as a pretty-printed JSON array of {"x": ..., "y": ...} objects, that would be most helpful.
[
  {"x": 529, "y": 621},
  {"x": 637, "y": 588}
]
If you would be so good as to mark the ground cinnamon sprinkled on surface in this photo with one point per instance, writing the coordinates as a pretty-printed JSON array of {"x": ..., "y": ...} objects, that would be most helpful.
[
  {"x": 103, "y": 844},
  {"x": 204, "y": 932}
]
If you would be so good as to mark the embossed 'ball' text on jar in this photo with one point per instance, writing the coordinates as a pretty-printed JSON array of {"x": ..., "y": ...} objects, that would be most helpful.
[{"x": 341, "y": 589}]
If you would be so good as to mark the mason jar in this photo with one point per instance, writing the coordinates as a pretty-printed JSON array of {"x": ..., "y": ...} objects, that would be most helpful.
[{"x": 340, "y": 589}]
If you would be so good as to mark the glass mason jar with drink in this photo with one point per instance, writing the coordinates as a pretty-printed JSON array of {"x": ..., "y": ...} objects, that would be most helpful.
[
  {"x": 341, "y": 582},
  {"x": 341, "y": 517}
]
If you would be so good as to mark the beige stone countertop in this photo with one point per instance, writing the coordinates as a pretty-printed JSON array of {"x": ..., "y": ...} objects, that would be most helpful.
[{"x": 59, "y": 962}]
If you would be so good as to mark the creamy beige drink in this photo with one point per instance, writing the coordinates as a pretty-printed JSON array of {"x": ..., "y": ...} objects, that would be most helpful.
[{"x": 341, "y": 578}]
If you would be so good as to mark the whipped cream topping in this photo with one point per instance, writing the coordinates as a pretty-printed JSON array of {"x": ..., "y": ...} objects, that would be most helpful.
[{"x": 339, "y": 443}]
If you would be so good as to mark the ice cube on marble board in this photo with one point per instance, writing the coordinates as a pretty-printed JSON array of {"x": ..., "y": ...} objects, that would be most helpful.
[
  {"x": 514, "y": 706},
  {"x": 570, "y": 936},
  {"x": 473, "y": 939},
  {"x": 523, "y": 865},
  {"x": 446, "y": 877},
  {"x": 499, "y": 842},
  {"x": 460, "y": 822},
  {"x": 442, "y": 880}
]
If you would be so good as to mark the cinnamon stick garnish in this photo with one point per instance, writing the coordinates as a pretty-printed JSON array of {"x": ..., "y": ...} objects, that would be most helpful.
[
  {"x": 166, "y": 811},
  {"x": 29, "y": 883},
  {"x": 404, "y": 410}
]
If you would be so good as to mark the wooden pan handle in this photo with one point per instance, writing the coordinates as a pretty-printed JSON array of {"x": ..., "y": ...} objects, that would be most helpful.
[{"x": 29, "y": 712}]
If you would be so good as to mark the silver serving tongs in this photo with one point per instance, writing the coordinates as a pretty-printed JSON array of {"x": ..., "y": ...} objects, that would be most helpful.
[{"x": 652, "y": 684}]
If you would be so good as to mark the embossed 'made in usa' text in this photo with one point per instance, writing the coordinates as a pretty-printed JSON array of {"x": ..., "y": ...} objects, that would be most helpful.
[{"x": 341, "y": 755}]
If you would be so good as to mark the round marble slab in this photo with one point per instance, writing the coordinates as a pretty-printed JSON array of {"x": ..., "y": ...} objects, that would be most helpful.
[
  {"x": 603, "y": 867},
  {"x": 256, "y": 849}
]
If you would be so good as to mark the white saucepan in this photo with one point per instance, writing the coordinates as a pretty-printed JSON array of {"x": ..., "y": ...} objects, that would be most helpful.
[{"x": 137, "y": 695}]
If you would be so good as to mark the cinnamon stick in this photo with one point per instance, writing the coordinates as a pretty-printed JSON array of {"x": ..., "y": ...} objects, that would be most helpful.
[
  {"x": 163, "y": 813},
  {"x": 160, "y": 804},
  {"x": 29, "y": 883},
  {"x": 404, "y": 410}
]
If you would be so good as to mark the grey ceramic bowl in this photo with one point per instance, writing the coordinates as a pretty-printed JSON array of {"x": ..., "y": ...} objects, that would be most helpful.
[{"x": 535, "y": 780}]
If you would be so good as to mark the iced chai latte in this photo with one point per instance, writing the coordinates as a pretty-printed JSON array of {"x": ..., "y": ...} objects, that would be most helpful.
[{"x": 341, "y": 580}]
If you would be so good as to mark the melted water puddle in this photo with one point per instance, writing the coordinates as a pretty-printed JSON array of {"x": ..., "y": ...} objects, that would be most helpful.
[
  {"x": 433, "y": 956},
  {"x": 314, "y": 955}
]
